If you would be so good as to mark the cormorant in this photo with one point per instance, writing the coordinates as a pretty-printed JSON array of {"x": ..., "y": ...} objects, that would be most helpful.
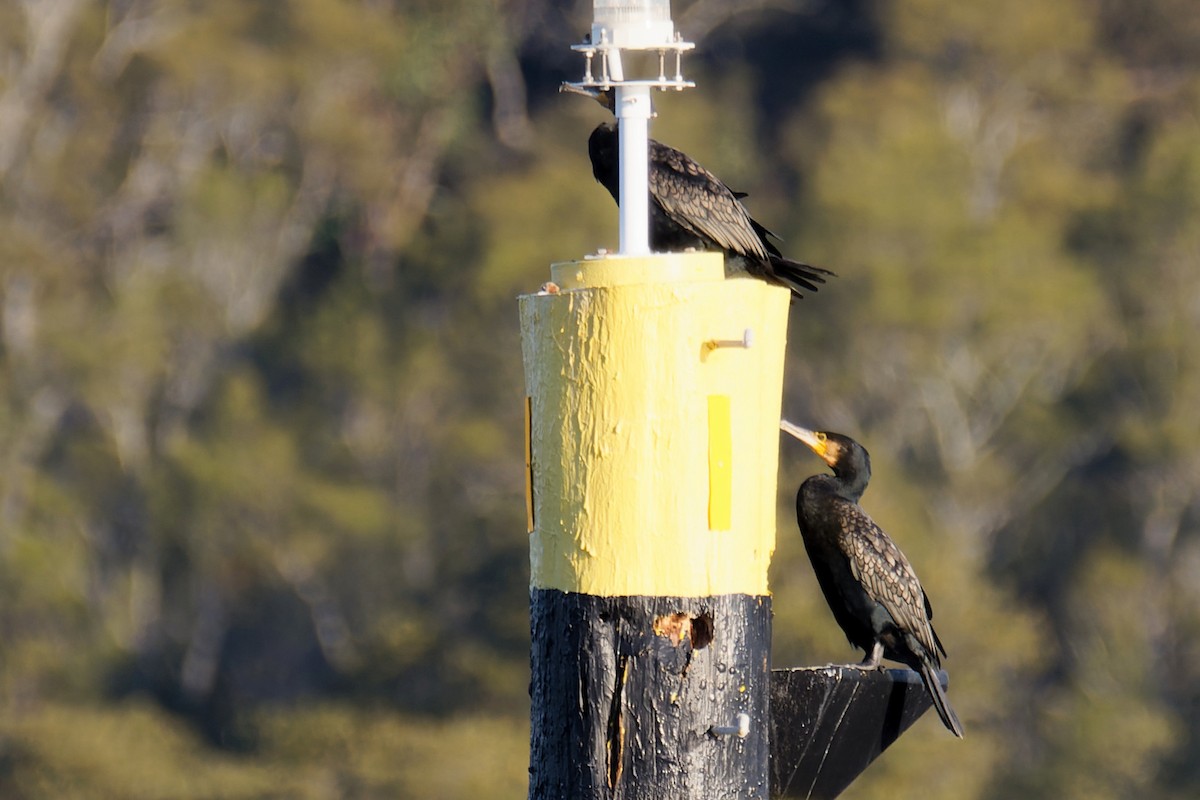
[
  {"x": 871, "y": 588},
  {"x": 692, "y": 208}
]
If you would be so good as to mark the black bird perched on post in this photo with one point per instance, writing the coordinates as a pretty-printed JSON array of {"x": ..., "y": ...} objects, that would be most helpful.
[
  {"x": 871, "y": 588},
  {"x": 692, "y": 208}
]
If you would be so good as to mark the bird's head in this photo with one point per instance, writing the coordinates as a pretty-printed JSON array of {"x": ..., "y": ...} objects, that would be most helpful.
[
  {"x": 818, "y": 441},
  {"x": 605, "y": 97},
  {"x": 835, "y": 449}
]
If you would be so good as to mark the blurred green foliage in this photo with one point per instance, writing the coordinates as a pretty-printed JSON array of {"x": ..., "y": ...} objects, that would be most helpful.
[{"x": 261, "y": 529}]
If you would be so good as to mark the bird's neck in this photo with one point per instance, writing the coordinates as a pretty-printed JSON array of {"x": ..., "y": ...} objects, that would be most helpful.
[
  {"x": 835, "y": 485},
  {"x": 851, "y": 483}
]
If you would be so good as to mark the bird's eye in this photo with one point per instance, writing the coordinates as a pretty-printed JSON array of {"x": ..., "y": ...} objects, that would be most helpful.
[{"x": 821, "y": 438}]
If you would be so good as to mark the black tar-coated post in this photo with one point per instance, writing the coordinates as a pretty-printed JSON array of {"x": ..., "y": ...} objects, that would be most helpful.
[{"x": 638, "y": 696}]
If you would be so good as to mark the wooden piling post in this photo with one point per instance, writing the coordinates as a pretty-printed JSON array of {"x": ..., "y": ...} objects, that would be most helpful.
[{"x": 654, "y": 389}]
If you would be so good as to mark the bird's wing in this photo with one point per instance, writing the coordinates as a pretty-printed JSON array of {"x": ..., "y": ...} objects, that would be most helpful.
[
  {"x": 697, "y": 200},
  {"x": 766, "y": 236},
  {"x": 929, "y": 616},
  {"x": 886, "y": 575}
]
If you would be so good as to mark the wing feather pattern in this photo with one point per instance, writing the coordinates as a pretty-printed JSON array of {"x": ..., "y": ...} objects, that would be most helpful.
[
  {"x": 714, "y": 213},
  {"x": 887, "y": 576}
]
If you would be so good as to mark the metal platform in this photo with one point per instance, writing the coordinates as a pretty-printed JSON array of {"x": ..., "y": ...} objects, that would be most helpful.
[{"x": 829, "y": 723}]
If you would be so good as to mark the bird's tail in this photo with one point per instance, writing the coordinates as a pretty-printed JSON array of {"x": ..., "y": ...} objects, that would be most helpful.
[
  {"x": 796, "y": 276},
  {"x": 933, "y": 684}
]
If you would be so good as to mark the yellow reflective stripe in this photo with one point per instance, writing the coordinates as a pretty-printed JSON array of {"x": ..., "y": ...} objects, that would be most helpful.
[
  {"x": 720, "y": 464},
  {"x": 528, "y": 464}
]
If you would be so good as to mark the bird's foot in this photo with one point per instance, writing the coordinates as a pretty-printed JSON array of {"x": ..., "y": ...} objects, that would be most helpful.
[
  {"x": 874, "y": 659},
  {"x": 859, "y": 665}
]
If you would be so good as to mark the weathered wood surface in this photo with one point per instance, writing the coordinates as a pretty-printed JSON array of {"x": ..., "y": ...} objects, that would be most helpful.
[{"x": 626, "y": 693}]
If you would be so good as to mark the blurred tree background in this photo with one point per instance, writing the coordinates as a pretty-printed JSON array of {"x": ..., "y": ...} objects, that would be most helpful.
[{"x": 261, "y": 528}]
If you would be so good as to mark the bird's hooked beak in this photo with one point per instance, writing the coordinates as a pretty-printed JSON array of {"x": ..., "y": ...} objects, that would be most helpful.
[
  {"x": 605, "y": 97},
  {"x": 817, "y": 441}
]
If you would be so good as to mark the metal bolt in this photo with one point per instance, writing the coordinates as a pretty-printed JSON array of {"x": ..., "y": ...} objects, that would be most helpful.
[
  {"x": 745, "y": 342},
  {"x": 741, "y": 728}
]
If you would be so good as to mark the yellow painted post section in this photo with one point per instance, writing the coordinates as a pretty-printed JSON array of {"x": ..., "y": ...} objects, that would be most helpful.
[{"x": 653, "y": 453}]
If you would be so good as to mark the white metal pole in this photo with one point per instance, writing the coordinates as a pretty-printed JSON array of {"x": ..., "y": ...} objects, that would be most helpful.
[{"x": 633, "y": 115}]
